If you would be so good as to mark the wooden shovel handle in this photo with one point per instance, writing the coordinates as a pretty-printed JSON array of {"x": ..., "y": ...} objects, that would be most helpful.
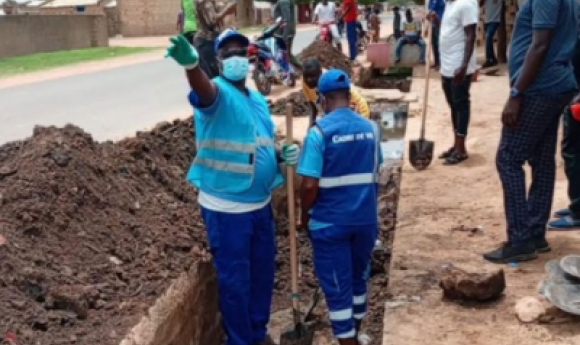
[
  {"x": 292, "y": 210},
  {"x": 427, "y": 78}
]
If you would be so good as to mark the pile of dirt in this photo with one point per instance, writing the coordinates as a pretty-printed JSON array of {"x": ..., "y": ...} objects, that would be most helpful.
[
  {"x": 301, "y": 105},
  {"x": 328, "y": 55},
  {"x": 95, "y": 231}
]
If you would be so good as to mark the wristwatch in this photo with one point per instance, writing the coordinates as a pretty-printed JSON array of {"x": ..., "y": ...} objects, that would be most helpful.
[{"x": 514, "y": 93}]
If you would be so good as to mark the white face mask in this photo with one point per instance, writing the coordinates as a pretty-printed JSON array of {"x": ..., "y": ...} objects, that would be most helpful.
[{"x": 235, "y": 68}]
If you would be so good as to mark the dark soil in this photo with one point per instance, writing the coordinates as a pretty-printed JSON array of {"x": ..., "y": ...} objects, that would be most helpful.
[
  {"x": 328, "y": 55},
  {"x": 301, "y": 105},
  {"x": 95, "y": 232}
]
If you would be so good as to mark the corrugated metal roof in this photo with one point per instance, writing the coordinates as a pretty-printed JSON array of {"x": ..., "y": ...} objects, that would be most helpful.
[
  {"x": 71, "y": 3},
  {"x": 111, "y": 4},
  {"x": 35, "y": 3}
]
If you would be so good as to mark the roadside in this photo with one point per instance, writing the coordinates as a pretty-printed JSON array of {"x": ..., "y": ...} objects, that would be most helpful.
[
  {"x": 434, "y": 206},
  {"x": 44, "y": 61}
]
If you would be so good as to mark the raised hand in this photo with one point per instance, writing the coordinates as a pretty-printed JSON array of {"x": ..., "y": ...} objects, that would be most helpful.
[{"x": 182, "y": 52}]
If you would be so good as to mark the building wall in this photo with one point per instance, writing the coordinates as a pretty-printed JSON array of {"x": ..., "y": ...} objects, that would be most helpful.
[
  {"x": 113, "y": 21},
  {"x": 92, "y": 10},
  {"x": 59, "y": 32},
  {"x": 148, "y": 17}
]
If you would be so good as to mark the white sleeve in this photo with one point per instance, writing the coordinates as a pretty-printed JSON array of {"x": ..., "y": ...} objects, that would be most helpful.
[
  {"x": 469, "y": 12},
  {"x": 317, "y": 10}
]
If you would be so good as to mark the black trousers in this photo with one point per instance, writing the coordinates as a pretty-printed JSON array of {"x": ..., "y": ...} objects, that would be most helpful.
[
  {"x": 571, "y": 155},
  {"x": 459, "y": 101}
]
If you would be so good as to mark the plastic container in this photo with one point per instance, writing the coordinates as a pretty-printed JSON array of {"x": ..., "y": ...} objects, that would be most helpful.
[{"x": 379, "y": 54}]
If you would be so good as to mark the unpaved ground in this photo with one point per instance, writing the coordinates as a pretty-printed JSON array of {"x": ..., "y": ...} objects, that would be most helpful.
[{"x": 435, "y": 201}]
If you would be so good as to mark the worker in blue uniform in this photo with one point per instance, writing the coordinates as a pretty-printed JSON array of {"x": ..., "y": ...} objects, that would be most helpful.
[
  {"x": 339, "y": 165},
  {"x": 235, "y": 170}
]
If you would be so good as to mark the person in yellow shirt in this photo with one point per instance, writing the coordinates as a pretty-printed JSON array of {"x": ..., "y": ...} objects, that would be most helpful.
[{"x": 311, "y": 73}]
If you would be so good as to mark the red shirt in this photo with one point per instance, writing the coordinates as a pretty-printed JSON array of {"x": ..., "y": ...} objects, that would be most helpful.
[{"x": 351, "y": 15}]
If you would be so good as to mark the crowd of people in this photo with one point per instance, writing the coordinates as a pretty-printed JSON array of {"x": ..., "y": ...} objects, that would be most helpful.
[{"x": 236, "y": 171}]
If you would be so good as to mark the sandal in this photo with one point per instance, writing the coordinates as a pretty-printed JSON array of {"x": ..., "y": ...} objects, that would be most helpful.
[
  {"x": 447, "y": 153},
  {"x": 455, "y": 158}
]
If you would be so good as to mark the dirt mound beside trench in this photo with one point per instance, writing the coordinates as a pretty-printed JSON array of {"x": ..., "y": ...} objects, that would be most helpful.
[
  {"x": 97, "y": 231},
  {"x": 328, "y": 55}
]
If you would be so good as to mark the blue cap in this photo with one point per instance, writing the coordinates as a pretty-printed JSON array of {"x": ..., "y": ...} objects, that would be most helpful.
[
  {"x": 230, "y": 34},
  {"x": 333, "y": 79}
]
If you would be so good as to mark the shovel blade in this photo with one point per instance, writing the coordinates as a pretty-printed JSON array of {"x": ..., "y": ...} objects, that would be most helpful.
[
  {"x": 300, "y": 335},
  {"x": 421, "y": 153}
]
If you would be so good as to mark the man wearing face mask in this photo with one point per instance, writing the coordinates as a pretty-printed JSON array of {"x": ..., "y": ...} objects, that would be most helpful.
[
  {"x": 339, "y": 203},
  {"x": 235, "y": 170}
]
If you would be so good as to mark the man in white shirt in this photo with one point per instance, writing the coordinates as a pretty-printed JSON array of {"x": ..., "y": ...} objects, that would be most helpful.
[
  {"x": 325, "y": 12},
  {"x": 411, "y": 34},
  {"x": 457, "y": 45}
]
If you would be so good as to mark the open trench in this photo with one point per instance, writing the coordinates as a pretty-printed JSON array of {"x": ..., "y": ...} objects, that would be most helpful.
[{"x": 105, "y": 245}]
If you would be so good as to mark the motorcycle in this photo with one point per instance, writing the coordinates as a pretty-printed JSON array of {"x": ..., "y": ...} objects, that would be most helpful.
[
  {"x": 269, "y": 60},
  {"x": 324, "y": 33}
]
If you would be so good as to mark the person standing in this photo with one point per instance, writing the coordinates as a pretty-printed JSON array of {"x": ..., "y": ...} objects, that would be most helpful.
[
  {"x": 457, "y": 46},
  {"x": 397, "y": 22},
  {"x": 349, "y": 8},
  {"x": 493, "y": 12},
  {"x": 435, "y": 15},
  {"x": 189, "y": 19},
  {"x": 325, "y": 13},
  {"x": 542, "y": 85},
  {"x": 411, "y": 29},
  {"x": 339, "y": 204},
  {"x": 209, "y": 27},
  {"x": 235, "y": 172},
  {"x": 374, "y": 26},
  {"x": 285, "y": 10},
  {"x": 569, "y": 218},
  {"x": 311, "y": 75}
]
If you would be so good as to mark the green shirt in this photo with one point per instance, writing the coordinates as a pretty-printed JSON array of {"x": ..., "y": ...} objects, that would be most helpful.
[{"x": 189, "y": 18}]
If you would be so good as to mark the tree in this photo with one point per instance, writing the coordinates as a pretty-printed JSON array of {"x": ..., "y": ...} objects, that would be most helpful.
[{"x": 245, "y": 13}]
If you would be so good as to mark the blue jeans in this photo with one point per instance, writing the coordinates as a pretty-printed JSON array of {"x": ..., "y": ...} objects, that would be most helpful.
[
  {"x": 435, "y": 44},
  {"x": 490, "y": 29},
  {"x": 243, "y": 247},
  {"x": 403, "y": 40},
  {"x": 351, "y": 37},
  {"x": 342, "y": 257}
]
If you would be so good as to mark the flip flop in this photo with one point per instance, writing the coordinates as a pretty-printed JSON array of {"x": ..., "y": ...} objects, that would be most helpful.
[
  {"x": 564, "y": 223},
  {"x": 565, "y": 212},
  {"x": 455, "y": 158},
  {"x": 447, "y": 154},
  {"x": 571, "y": 265}
]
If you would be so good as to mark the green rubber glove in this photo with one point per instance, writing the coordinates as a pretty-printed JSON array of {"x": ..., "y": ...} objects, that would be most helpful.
[{"x": 182, "y": 52}]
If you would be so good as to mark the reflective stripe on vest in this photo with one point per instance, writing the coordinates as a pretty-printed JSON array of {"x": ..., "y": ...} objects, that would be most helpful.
[
  {"x": 234, "y": 145},
  {"x": 225, "y": 166},
  {"x": 347, "y": 180},
  {"x": 230, "y": 146},
  {"x": 354, "y": 179}
]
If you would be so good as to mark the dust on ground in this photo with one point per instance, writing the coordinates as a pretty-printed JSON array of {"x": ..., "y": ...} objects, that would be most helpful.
[{"x": 437, "y": 200}]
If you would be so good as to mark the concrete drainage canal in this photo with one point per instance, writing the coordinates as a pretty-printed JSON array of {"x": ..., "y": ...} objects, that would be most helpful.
[{"x": 103, "y": 242}]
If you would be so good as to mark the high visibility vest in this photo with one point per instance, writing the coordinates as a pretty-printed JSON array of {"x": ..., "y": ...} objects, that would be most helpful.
[
  {"x": 347, "y": 189},
  {"x": 226, "y": 144}
]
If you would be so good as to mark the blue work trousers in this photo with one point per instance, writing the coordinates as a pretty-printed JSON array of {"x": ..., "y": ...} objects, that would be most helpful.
[
  {"x": 342, "y": 257},
  {"x": 490, "y": 30},
  {"x": 351, "y": 37},
  {"x": 244, "y": 248}
]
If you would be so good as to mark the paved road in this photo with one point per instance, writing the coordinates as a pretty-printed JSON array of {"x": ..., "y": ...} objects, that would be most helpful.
[{"x": 110, "y": 104}]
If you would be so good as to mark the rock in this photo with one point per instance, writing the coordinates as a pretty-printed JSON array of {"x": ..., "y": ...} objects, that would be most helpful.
[
  {"x": 71, "y": 298},
  {"x": 529, "y": 309},
  {"x": 480, "y": 284}
]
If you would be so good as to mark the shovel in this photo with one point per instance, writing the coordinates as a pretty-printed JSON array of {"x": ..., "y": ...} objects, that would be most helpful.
[
  {"x": 300, "y": 334},
  {"x": 421, "y": 150}
]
